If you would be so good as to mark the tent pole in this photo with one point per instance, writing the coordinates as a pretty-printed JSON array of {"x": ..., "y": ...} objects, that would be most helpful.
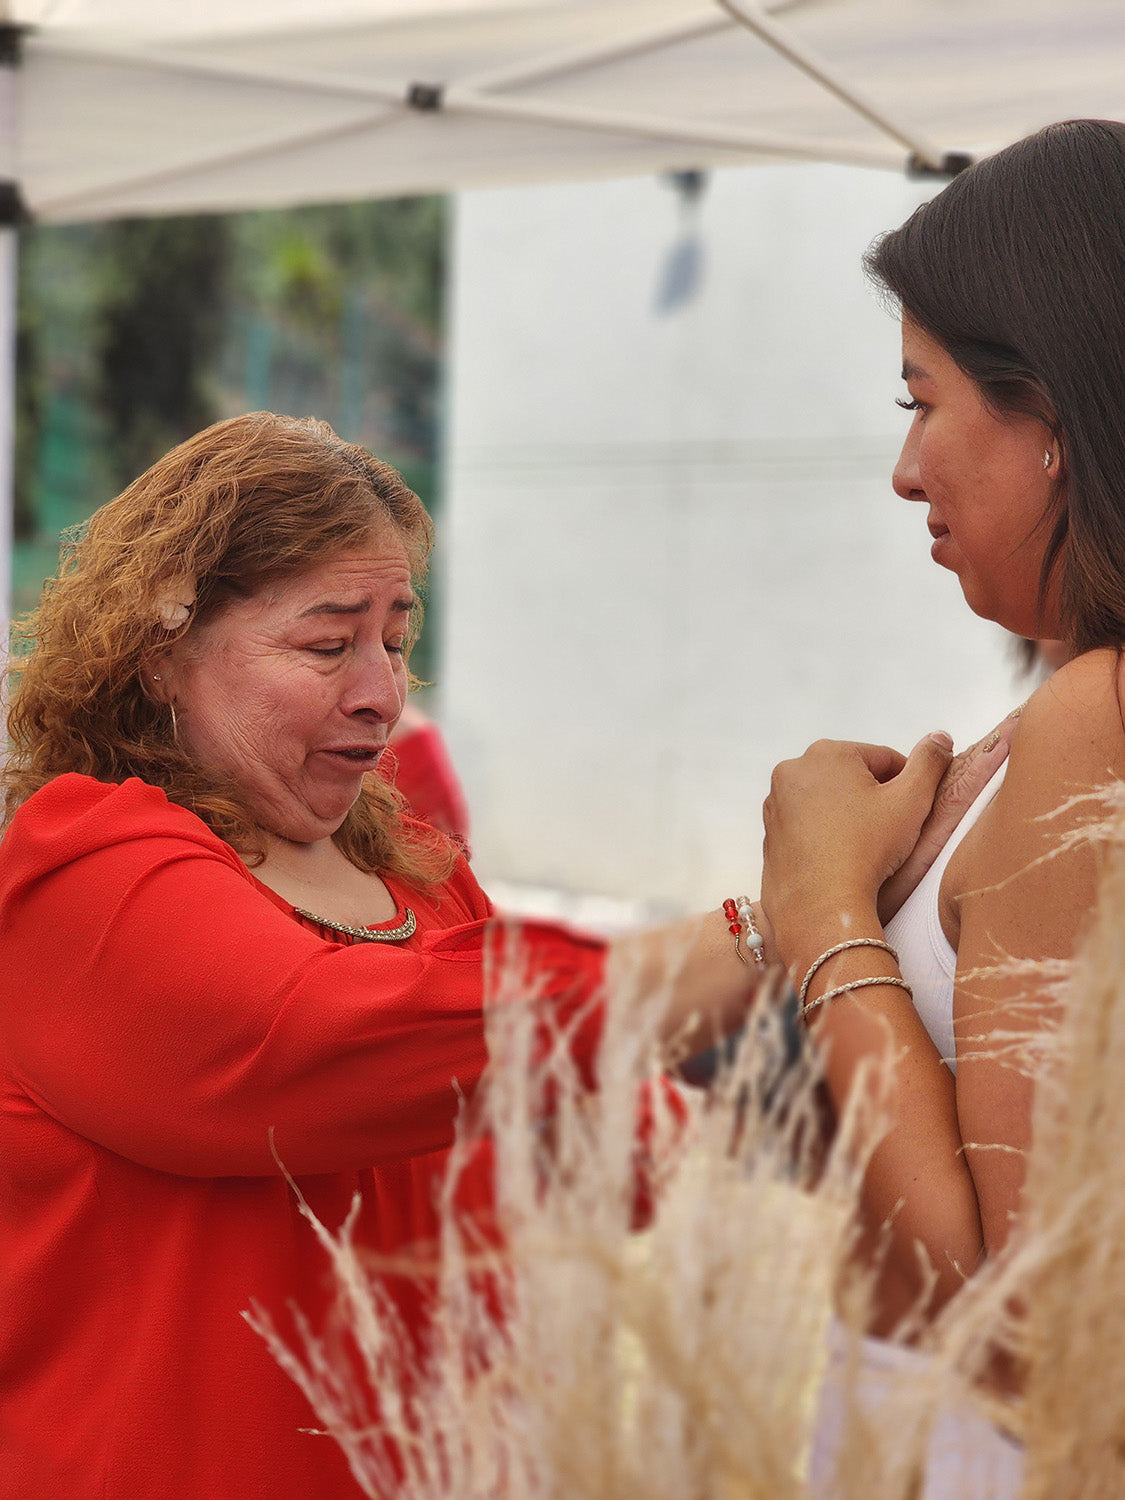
[
  {"x": 561, "y": 64},
  {"x": 9, "y": 275},
  {"x": 622, "y": 49},
  {"x": 754, "y": 18},
  {"x": 11, "y": 212},
  {"x": 90, "y": 202},
  {"x": 693, "y": 132}
]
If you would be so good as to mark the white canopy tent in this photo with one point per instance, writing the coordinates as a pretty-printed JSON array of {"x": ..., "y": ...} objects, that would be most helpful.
[
  {"x": 120, "y": 107},
  {"x": 165, "y": 106}
]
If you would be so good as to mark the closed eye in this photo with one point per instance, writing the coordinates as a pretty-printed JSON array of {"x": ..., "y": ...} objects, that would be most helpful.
[{"x": 336, "y": 649}]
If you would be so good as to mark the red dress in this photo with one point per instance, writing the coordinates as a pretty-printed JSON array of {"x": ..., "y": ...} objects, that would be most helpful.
[{"x": 161, "y": 1013}]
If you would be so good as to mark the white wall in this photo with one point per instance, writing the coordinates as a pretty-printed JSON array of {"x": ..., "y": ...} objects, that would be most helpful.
[{"x": 671, "y": 550}]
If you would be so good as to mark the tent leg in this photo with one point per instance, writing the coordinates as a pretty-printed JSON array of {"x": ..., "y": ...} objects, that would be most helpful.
[{"x": 9, "y": 273}]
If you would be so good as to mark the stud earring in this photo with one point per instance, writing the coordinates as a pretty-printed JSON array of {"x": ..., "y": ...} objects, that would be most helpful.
[
  {"x": 156, "y": 677},
  {"x": 1046, "y": 458}
]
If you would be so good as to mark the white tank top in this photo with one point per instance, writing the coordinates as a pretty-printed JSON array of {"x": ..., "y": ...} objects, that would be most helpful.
[{"x": 927, "y": 962}]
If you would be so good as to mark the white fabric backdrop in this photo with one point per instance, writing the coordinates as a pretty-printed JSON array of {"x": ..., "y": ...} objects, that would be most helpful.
[{"x": 673, "y": 555}]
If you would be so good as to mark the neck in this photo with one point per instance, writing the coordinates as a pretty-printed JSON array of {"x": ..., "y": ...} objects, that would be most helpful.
[
  {"x": 318, "y": 877},
  {"x": 309, "y": 863}
]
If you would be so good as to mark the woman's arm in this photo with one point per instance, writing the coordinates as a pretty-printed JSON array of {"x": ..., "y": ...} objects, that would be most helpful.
[
  {"x": 157, "y": 1002},
  {"x": 947, "y": 1175},
  {"x": 691, "y": 969},
  {"x": 835, "y": 830},
  {"x": 1019, "y": 893}
]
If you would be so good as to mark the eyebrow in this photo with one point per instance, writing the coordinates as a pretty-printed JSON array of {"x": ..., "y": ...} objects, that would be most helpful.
[
  {"x": 911, "y": 371},
  {"x": 363, "y": 607}
]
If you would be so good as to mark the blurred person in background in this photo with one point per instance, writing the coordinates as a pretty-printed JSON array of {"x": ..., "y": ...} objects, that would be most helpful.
[{"x": 419, "y": 765}]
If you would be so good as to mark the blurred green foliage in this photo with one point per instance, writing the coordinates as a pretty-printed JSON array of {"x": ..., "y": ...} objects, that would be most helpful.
[
  {"x": 158, "y": 329},
  {"x": 134, "y": 334}
]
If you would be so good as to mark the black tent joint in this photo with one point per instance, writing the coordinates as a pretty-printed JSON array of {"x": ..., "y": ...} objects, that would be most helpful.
[
  {"x": 951, "y": 163},
  {"x": 11, "y": 43},
  {"x": 425, "y": 96},
  {"x": 13, "y": 210}
]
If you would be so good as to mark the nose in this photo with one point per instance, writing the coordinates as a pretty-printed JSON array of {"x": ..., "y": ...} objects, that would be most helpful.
[
  {"x": 376, "y": 686},
  {"x": 906, "y": 478}
]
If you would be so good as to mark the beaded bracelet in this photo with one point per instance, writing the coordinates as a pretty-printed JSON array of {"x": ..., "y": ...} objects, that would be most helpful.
[
  {"x": 856, "y": 984},
  {"x": 740, "y": 916},
  {"x": 864, "y": 942}
]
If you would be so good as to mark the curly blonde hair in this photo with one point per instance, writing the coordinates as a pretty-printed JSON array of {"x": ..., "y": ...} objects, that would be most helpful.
[{"x": 243, "y": 505}]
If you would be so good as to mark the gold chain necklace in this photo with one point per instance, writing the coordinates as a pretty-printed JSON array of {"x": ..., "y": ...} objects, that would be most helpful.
[{"x": 405, "y": 929}]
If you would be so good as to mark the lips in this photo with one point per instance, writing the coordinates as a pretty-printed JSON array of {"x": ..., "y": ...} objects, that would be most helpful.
[
  {"x": 359, "y": 757},
  {"x": 942, "y": 541}
]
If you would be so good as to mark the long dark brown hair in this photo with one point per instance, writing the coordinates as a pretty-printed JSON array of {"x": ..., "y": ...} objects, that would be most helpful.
[
  {"x": 238, "y": 507},
  {"x": 1018, "y": 270}
]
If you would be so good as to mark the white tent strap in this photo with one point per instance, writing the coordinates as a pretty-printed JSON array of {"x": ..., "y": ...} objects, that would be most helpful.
[{"x": 756, "y": 20}]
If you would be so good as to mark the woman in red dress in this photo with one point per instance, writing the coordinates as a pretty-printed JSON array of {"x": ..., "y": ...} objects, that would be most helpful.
[{"x": 227, "y": 956}]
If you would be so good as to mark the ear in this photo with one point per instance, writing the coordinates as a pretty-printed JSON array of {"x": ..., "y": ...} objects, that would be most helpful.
[
  {"x": 157, "y": 676},
  {"x": 1054, "y": 456}
]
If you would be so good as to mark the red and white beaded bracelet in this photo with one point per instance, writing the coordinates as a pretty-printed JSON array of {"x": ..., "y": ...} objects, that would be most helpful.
[{"x": 740, "y": 919}]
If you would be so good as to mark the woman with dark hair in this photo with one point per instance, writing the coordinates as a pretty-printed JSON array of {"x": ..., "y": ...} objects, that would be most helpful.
[{"x": 1011, "y": 286}]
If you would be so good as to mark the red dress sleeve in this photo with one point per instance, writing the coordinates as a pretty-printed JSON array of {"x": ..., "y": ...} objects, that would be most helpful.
[{"x": 156, "y": 1002}]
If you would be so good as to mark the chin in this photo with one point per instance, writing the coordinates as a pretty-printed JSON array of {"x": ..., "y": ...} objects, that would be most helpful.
[
  {"x": 1016, "y": 620},
  {"x": 304, "y": 816},
  {"x": 304, "y": 827}
]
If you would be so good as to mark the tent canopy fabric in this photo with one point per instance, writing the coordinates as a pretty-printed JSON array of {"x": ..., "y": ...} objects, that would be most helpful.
[{"x": 121, "y": 107}]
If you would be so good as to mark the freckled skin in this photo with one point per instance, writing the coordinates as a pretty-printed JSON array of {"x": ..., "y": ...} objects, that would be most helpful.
[
  {"x": 983, "y": 479},
  {"x": 271, "y": 693}
]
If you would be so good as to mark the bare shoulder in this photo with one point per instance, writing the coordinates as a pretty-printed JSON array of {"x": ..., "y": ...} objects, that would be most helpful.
[
  {"x": 1070, "y": 742},
  {"x": 1071, "y": 735}
]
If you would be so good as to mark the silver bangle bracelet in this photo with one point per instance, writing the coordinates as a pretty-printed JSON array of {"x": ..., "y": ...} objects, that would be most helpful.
[
  {"x": 864, "y": 942},
  {"x": 856, "y": 984}
]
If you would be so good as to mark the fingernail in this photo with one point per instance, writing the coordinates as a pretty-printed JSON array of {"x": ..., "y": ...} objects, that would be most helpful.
[
  {"x": 1019, "y": 708},
  {"x": 940, "y": 737},
  {"x": 992, "y": 741}
]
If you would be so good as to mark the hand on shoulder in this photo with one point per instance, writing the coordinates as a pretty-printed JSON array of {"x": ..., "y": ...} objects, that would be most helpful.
[{"x": 838, "y": 821}]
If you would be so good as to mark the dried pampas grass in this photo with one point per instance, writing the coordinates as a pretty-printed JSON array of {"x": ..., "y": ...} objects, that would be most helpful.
[
  {"x": 583, "y": 1359},
  {"x": 1075, "y": 1327}
]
